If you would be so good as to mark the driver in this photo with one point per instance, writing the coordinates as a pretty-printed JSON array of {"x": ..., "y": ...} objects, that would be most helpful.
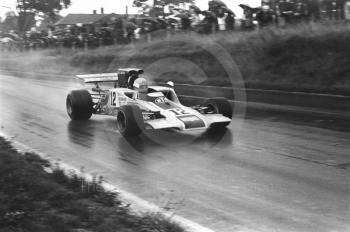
[{"x": 141, "y": 86}]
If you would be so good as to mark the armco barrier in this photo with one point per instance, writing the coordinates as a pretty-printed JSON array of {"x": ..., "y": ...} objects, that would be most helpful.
[
  {"x": 321, "y": 101},
  {"x": 273, "y": 97}
]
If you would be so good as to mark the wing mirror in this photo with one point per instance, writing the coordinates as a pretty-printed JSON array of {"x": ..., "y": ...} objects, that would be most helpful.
[{"x": 170, "y": 84}]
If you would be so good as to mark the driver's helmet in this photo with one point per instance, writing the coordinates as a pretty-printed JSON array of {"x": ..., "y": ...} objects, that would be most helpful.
[{"x": 141, "y": 85}]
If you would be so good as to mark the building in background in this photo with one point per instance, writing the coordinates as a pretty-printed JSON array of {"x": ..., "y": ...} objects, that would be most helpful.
[{"x": 90, "y": 22}]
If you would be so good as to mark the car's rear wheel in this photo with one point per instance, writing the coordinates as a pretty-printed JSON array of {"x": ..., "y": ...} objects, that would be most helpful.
[
  {"x": 130, "y": 121},
  {"x": 219, "y": 106},
  {"x": 79, "y": 105}
]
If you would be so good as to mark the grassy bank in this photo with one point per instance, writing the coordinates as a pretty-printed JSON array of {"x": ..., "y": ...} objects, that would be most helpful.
[
  {"x": 32, "y": 199},
  {"x": 310, "y": 58}
]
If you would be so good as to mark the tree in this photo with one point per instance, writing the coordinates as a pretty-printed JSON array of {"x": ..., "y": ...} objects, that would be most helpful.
[
  {"x": 28, "y": 9},
  {"x": 47, "y": 7},
  {"x": 47, "y": 22},
  {"x": 10, "y": 23}
]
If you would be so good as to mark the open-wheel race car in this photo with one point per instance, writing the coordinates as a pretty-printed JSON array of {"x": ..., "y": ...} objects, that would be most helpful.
[{"x": 138, "y": 107}]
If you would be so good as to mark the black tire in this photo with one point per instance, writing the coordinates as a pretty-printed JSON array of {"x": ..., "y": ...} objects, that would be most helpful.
[
  {"x": 79, "y": 105},
  {"x": 130, "y": 121},
  {"x": 219, "y": 106}
]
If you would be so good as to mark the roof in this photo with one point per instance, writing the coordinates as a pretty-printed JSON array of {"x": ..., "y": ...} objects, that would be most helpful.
[{"x": 72, "y": 19}]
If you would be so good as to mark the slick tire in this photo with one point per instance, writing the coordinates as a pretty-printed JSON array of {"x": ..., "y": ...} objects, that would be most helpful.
[
  {"x": 130, "y": 121},
  {"x": 79, "y": 105},
  {"x": 219, "y": 106}
]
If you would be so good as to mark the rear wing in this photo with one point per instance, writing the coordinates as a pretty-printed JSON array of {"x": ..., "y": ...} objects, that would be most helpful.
[{"x": 97, "y": 78}]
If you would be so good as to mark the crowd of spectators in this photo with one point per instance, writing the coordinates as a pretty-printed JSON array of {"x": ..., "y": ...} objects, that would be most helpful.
[
  {"x": 289, "y": 12},
  {"x": 217, "y": 18}
]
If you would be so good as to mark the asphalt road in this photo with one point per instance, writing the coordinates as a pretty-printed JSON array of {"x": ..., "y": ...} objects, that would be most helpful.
[{"x": 270, "y": 175}]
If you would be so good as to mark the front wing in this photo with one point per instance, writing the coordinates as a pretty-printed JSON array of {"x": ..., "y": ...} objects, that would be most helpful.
[{"x": 187, "y": 122}]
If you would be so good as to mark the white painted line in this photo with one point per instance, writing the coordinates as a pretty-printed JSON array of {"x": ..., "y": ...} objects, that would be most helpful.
[{"x": 137, "y": 205}]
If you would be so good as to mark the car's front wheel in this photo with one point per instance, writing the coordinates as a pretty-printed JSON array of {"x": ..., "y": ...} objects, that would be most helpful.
[
  {"x": 79, "y": 105},
  {"x": 130, "y": 121},
  {"x": 219, "y": 106}
]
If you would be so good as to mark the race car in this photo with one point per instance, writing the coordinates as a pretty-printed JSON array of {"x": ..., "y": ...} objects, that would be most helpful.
[{"x": 138, "y": 107}]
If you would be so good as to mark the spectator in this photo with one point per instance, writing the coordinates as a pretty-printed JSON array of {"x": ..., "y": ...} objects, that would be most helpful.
[
  {"x": 196, "y": 20},
  {"x": 230, "y": 21},
  {"x": 247, "y": 20},
  {"x": 264, "y": 16},
  {"x": 313, "y": 9},
  {"x": 138, "y": 32},
  {"x": 286, "y": 8},
  {"x": 118, "y": 30},
  {"x": 222, "y": 23},
  {"x": 347, "y": 10},
  {"x": 300, "y": 11},
  {"x": 209, "y": 22},
  {"x": 340, "y": 5},
  {"x": 130, "y": 31},
  {"x": 185, "y": 23}
]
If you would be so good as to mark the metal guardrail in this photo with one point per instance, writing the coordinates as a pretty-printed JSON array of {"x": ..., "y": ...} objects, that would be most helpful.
[{"x": 273, "y": 97}]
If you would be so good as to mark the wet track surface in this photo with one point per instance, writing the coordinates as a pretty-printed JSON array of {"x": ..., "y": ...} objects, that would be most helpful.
[{"x": 271, "y": 175}]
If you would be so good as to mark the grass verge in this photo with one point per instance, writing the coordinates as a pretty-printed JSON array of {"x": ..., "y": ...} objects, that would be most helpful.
[{"x": 32, "y": 199}]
